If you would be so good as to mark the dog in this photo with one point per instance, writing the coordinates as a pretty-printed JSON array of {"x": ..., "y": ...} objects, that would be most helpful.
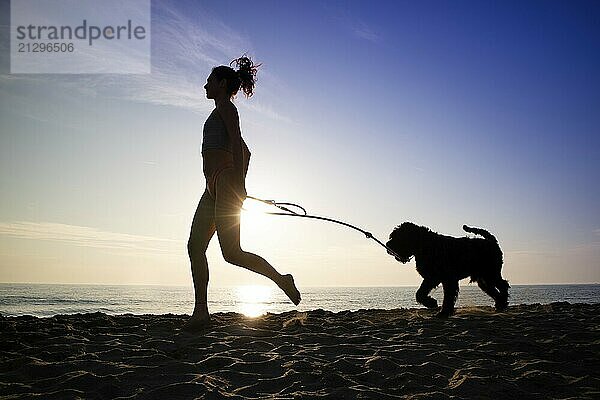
[{"x": 446, "y": 260}]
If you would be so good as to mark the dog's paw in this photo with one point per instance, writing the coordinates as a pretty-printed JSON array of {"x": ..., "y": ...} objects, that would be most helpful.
[
  {"x": 501, "y": 306},
  {"x": 444, "y": 314},
  {"x": 430, "y": 303}
]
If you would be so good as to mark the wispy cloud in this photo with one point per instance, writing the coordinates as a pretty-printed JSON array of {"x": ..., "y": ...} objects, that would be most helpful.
[
  {"x": 187, "y": 41},
  {"x": 533, "y": 253},
  {"x": 570, "y": 250},
  {"x": 363, "y": 31},
  {"x": 84, "y": 236},
  {"x": 265, "y": 110},
  {"x": 356, "y": 26}
]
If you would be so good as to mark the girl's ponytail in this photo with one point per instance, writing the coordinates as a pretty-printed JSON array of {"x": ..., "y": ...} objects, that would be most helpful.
[{"x": 246, "y": 71}]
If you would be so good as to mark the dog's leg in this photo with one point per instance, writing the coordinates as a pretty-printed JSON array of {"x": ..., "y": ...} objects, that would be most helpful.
[
  {"x": 502, "y": 302},
  {"x": 490, "y": 290},
  {"x": 423, "y": 294},
  {"x": 450, "y": 295}
]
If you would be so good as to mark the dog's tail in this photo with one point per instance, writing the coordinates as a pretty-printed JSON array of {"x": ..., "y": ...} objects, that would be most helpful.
[{"x": 482, "y": 232}]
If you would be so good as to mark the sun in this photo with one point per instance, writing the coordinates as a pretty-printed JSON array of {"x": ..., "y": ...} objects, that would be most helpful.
[{"x": 253, "y": 213}]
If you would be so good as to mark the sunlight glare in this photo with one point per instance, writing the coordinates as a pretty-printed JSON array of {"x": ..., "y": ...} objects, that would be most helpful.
[
  {"x": 253, "y": 212},
  {"x": 254, "y": 299},
  {"x": 256, "y": 207}
]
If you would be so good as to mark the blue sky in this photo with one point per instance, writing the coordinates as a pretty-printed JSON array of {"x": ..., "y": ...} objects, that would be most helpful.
[{"x": 441, "y": 113}]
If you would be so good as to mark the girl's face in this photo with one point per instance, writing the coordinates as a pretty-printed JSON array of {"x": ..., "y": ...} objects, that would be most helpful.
[{"x": 213, "y": 87}]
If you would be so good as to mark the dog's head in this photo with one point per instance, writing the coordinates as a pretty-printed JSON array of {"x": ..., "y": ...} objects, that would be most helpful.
[{"x": 405, "y": 241}]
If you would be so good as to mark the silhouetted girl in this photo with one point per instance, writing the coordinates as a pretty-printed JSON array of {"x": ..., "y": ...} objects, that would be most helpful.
[{"x": 225, "y": 158}]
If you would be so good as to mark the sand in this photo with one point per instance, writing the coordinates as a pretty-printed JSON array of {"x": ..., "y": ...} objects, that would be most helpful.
[{"x": 530, "y": 351}]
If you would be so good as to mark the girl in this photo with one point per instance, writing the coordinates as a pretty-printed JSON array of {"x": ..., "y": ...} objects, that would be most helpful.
[{"x": 225, "y": 159}]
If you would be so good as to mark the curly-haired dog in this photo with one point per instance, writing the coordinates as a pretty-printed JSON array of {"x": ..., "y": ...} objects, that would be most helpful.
[{"x": 446, "y": 260}]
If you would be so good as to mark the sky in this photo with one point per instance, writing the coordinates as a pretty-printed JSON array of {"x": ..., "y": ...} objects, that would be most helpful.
[{"x": 442, "y": 113}]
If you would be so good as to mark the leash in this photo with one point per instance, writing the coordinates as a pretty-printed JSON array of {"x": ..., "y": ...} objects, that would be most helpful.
[{"x": 304, "y": 214}]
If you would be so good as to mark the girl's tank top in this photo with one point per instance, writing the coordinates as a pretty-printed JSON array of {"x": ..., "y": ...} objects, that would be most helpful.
[{"x": 215, "y": 134}]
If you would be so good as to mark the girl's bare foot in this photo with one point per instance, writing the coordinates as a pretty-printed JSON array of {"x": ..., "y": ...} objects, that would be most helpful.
[
  {"x": 196, "y": 322},
  {"x": 200, "y": 318},
  {"x": 289, "y": 288}
]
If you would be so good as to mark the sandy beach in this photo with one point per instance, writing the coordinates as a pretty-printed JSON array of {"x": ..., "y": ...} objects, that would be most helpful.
[{"x": 530, "y": 351}]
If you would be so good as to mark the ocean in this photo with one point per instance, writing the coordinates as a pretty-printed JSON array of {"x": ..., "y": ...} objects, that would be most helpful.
[{"x": 44, "y": 300}]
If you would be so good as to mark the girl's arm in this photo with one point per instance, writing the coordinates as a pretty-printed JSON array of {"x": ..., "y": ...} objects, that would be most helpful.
[{"x": 229, "y": 114}]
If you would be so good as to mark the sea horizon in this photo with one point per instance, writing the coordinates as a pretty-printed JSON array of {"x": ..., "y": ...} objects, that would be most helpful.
[{"x": 47, "y": 300}]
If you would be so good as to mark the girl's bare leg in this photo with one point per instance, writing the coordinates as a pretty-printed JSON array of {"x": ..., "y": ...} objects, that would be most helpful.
[
  {"x": 203, "y": 229},
  {"x": 227, "y": 220}
]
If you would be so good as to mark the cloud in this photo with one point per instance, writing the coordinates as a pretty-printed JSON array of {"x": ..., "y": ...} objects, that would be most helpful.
[
  {"x": 355, "y": 25},
  {"x": 533, "y": 253},
  {"x": 265, "y": 110},
  {"x": 84, "y": 236},
  {"x": 187, "y": 41},
  {"x": 363, "y": 31}
]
